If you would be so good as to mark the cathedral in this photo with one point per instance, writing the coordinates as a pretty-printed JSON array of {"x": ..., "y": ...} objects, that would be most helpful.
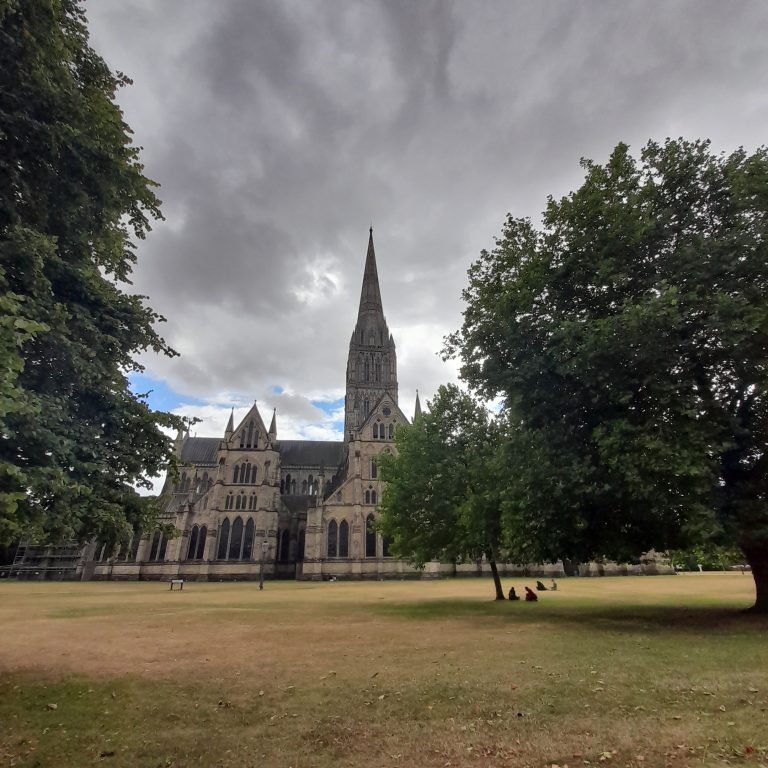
[
  {"x": 303, "y": 509},
  {"x": 247, "y": 504}
]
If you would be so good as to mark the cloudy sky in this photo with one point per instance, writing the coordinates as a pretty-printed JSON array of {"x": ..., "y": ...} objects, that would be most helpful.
[{"x": 279, "y": 131}]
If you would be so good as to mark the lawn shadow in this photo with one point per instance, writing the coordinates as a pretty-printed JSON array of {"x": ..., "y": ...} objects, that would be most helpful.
[{"x": 693, "y": 619}]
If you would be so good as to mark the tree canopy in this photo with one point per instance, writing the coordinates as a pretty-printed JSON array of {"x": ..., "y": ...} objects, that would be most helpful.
[
  {"x": 74, "y": 440},
  {"x": 441, "y": 499},
  {"x": 628, "y": 336}
]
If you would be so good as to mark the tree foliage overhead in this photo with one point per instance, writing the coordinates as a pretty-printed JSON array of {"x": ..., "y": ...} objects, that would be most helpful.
[
  {"x": 441, "y": 499},
  {"x": 73, "y": 439},
  {"x": 629, "y": 338}
]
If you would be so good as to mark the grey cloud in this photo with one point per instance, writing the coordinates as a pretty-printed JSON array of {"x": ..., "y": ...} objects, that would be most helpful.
[{"x": 279, "y": 131}]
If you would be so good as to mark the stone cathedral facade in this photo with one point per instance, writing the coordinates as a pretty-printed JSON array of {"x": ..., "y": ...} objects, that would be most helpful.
[{"x": 300, "y": 509}]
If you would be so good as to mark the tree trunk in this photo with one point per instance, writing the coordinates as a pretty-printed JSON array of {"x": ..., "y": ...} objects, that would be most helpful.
[
  {"x": 757, "y": 557},
  {"x": 497, "y": 581}
]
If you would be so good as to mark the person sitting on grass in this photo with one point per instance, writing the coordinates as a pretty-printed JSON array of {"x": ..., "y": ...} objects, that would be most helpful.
[
  {"x": 530, "y": 595},
  {"x": 554, "y": 586},
  {"x": 540, "y": 586},
  {"x": 512, "y": 594}
]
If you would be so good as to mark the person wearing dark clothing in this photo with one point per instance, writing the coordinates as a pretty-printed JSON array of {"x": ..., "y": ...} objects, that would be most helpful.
[
  {"x": 540, "y": 587},
  {"x": 512, "y": 594},
  {"x": 530, "y": 595}
]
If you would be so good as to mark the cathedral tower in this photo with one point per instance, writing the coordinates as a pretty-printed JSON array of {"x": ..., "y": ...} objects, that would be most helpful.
[{"x": 372, "y": 361}]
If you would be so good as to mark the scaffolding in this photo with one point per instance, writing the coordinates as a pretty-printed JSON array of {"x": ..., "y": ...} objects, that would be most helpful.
[{"x": 39, "y": 562}]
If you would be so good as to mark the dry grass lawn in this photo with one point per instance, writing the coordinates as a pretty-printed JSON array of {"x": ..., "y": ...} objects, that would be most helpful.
[{"x": 633, "y": 671}]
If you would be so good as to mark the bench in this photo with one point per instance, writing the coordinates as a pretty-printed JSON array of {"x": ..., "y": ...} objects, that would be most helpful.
[{"x": 174, "y": 582}]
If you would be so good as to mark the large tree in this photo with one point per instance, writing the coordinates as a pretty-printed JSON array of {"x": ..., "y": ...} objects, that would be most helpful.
[
  {"x": 629, "y": 338},
  {"x": 441, "y": 499},
  {"x": 74, "y": 440}
]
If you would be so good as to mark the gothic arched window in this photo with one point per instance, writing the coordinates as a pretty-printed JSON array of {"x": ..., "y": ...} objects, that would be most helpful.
[
  {"x": 248, "y": 540},
  {"x": 300, "y": 548},
  {"x": 392, "y": 431},
  {"x": 200, "y": 554},
  {"x": 367, "y": 497},
  {"x": 370, "y": 536},
  {"x": 236, "y": 540},
  {"x": 304, "y": 488},
  {"x": 192, "y": 549},
  {"x": 252, "y": 501},
  {"x": 236, "y": 474},
  {"x": 376, "y": 431},
  {"x": 373, "y": 497},
  {"x": 374, "y": 469},
  {"x": 288, "y": 484},
  {"x": 249, "y": 442},
  {"x": 285, "y": 545},
  {"x": 155, "y": 549},
  {"x": 221, "y": 554},
  {"x": 344, "y": 539},
  {"x": 228, "y": 501},
  {"x": 135, "y": 546},
  {"x": 311, "y": 485},
  {"x": 332, "y": 538},
  {"x": 125, "y": 549}
]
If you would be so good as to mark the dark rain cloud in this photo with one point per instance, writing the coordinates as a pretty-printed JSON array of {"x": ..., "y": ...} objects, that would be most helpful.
[{"x": 280, "y": 131}]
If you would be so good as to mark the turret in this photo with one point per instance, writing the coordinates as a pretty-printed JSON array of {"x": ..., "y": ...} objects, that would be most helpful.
[
  {"x": 273, "y": 426},
  {"x": 178, "y": 443},
  {"x": 230, "y": 425},
  {"x": 417, "y": 408}
]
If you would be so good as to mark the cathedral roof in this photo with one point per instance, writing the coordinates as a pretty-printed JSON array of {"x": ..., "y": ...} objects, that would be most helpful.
[
  {"x": 329, "y": 453},
  {"x": 200, "y": 450}
]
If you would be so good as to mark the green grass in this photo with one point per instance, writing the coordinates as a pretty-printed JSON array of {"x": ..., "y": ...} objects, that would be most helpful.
[{"x": 617, "y": 671}]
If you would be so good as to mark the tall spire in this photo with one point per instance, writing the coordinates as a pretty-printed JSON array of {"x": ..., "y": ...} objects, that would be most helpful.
[
  {"x": 370, "y": 296},
  {"x": 372, "y": 360},
  {"x": 230, "y": 424},
  {"x": 417, "y": 409}
]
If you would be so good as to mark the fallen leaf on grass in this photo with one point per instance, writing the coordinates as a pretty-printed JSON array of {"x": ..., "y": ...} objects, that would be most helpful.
[{"x": 52, "y": 706}]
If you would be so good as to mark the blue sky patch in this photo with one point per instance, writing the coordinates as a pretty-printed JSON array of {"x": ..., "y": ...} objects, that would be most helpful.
[
  {"x": 159, "y": 395},
  {"x": 328, "y": 407}
]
